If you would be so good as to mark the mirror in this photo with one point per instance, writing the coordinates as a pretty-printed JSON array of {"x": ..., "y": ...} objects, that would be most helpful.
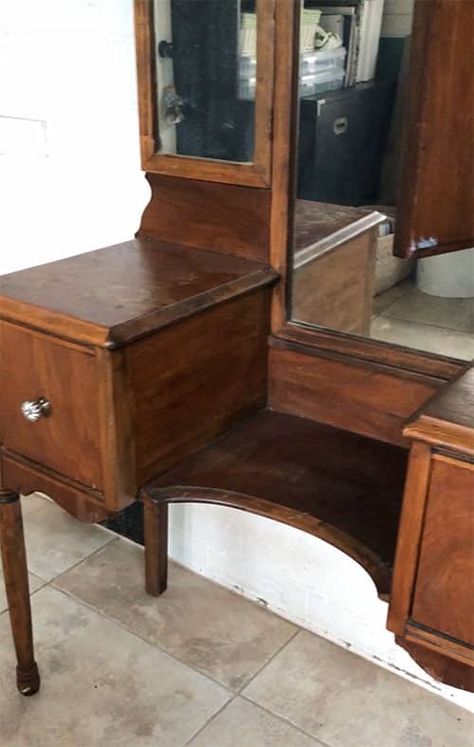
[
  {"x": 206, "y": 74},
  {"x": 353, "y": 80}
]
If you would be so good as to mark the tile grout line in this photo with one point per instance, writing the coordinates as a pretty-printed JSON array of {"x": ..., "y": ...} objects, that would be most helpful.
[
  {"x": 285, "y": 720},
  {"x": 78, "y": 563},
  {"x": 210, "y": 720},
  {"x": 269, "y": 660},
  {"x": 124, "y": 627}
]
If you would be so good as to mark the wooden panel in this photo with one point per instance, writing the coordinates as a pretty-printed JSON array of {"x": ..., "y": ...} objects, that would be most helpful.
[
  {"x": 444, "y": 599},
  {"x": 119, "y": 483},
  {"x": 441, "y": 667},
  {"x": 436, "y": 196},
  {"x": 396, "y": 358},
  {"x": 34, "y": 365},
  {"x": 409, "y": 536},
  {"x": 217, "y": 217},
  {"x": 322, "y": 480},
  {"x": 448, "y": 420},
  {"x": 121, "y": 292},
  {"x": 26, "y": 478},
  {"x": 335, "y": 288},
  {"x": 192, "y": 381},
  {"x": 360, "y": 397},
  {"x": 256, "y": 173},
  {"x": 285, "y": 104}
]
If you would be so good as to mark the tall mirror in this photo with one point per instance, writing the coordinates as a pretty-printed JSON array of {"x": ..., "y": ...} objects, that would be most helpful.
[
  {"x": 353, "y": 83},
  {"x": 206, "y": 78}
]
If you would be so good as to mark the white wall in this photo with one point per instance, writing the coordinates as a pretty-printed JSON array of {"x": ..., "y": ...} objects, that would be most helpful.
[{"x": 70, "y": 182}]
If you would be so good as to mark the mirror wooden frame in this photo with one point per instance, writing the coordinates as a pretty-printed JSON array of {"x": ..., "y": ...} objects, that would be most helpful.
[
  {"x": 256, "y": 173},
  {"x": 328, "y": 342}
]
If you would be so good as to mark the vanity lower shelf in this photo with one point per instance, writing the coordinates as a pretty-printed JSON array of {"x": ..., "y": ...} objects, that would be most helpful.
[{"x": 341, "y": 487}]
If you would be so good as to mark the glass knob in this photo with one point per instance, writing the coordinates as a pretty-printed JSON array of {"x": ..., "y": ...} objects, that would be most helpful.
[{"x": 34, "y": 409}]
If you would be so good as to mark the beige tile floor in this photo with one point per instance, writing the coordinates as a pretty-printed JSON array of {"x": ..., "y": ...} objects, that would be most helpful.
[
  {"x": 200, "y": 666},
  {"x": 406, "y": 316}
]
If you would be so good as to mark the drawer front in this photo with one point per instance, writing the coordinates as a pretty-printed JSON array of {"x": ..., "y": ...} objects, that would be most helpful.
[
  {"x": 65, "y": 439},
  {"x": 444, "y": 590}
]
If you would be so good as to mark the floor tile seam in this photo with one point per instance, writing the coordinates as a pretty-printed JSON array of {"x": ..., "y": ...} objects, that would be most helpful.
[
  {"x": 31, "y": 593},
  {"x": 126, "y": 629},
  {"x": 270, "y": 659},
  {"x": 286, "y": 720},
  {"x": 78, "y": 563},
  {"x": 210, "y": 720}
]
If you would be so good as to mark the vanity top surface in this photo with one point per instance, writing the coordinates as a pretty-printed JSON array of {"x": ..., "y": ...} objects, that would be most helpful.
[
  {"x": 448, "y": 418},
  {"x": 113, "y": 295}
]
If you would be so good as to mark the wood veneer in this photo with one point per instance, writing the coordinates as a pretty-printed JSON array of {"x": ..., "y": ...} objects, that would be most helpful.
[
  {"x": 361, "y": 397},
  {"x": 117, "y": 294},
  {"x": 229, "y": 219},
  {"x": 444, "y": 583},
  {"x": 330, "y": 483},
  {"x": 436, "y": 190},
  {"x": 170, "y": 351},
  {"x": 256, "y": 173},
  {"x": 193, "y": 381},
  {"x": 431, "y": 606}
]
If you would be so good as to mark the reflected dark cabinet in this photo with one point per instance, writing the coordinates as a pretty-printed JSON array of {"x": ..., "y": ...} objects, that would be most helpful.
[{"x": 197, "y": 384}]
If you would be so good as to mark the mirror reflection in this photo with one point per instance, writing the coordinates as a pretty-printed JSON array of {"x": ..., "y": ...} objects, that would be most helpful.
[
  {"x": 353, "y": 79},
  {"x": 206, "y": 63}
]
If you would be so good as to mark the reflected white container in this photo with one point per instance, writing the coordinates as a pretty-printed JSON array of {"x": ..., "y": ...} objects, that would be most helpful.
[{"x": 448, "y": 275}]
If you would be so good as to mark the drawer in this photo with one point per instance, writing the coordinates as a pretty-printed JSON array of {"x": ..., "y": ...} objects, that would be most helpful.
[
  {"x": 67, "y": 438},
  {"x": 444, "y": 598}
]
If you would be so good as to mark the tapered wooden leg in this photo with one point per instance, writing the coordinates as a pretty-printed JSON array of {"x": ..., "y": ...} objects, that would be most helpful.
[
  {"x": 155, "y": 517},
  {"x": 16, "y": 583}
]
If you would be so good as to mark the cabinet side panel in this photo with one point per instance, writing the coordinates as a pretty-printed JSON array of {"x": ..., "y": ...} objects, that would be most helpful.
[
  {"x": 334, "y": 290},
  {"x": 193, "y": 380}
]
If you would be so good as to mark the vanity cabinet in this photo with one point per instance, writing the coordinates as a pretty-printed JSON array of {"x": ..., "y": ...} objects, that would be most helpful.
[
  {"x": 155, "y": 352},
  {"x": 169, "y": 368},
  {"x": 432, "y": 602}
]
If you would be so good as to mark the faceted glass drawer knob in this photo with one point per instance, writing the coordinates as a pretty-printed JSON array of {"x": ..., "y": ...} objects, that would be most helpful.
[{"x": 34, "y": 409}]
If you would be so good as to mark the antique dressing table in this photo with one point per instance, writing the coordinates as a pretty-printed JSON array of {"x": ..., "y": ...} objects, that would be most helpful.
[{"x": 223, "y": 355}]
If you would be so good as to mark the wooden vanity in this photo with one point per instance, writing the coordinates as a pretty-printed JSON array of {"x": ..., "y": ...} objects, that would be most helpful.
[{"x": 170, "y": 369}]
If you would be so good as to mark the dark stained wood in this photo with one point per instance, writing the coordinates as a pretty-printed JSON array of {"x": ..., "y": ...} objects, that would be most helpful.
[
  {"x": 436, "y": 641},
  {"x": 334, "y": 286},
  {"x": 455, "y": 404},
  {"x": 217, "y": 217},
  {"x": 193, "y": 381},
  {"x": 432, "y": 604},
  {"x": 283, "y": 154},
  {"x": 357, "y": 396},
  {"x": 448, "y": 420},
  {"x": 116, "y": 294},
  {"x": 256, "y": 173},
  {"x": 446, "y": 670},
  {"x": 356, "y": 349},
  {"x": 155, "y": 526},
  {"x": 116, "y": 437},
  {"x": 28, "y": 477},
  {"x": 444, "y": 598},
  {"x": 322, "y": 480},
  {"x": 34, "y": 365},
  {"x": 436, "y": 195},
  {"x": 15, "y": 573},
  {"x": 409, "y": 536}
]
